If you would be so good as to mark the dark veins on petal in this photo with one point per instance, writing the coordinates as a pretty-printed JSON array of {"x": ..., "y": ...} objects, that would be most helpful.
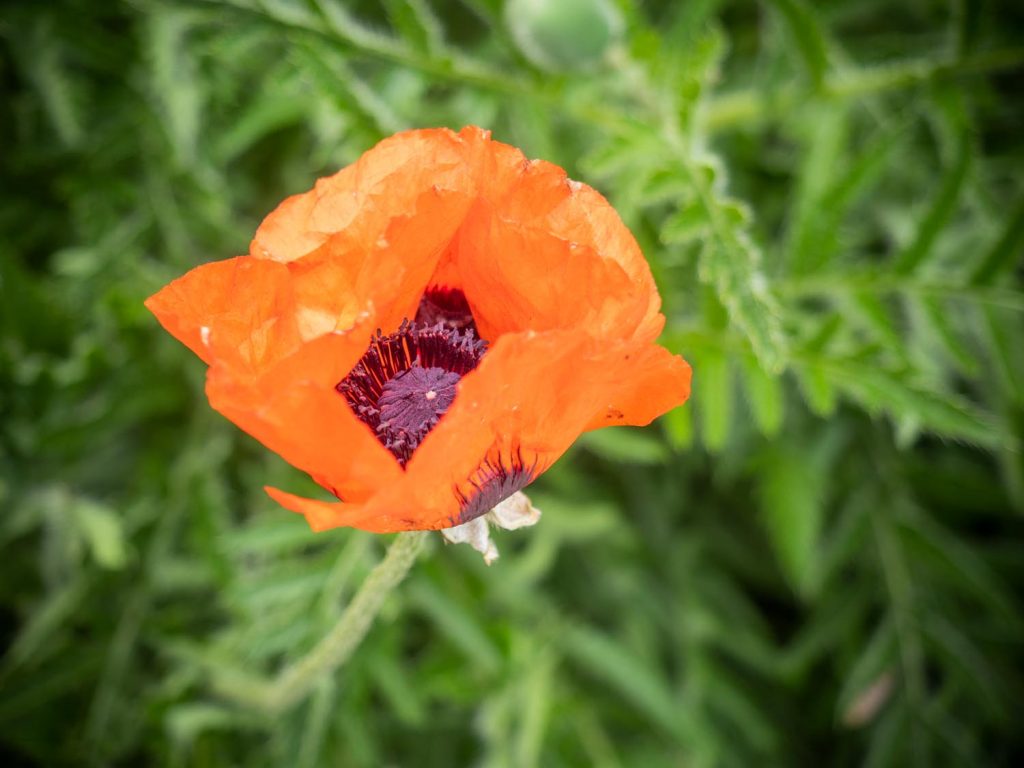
[
  {"x": 494, "y": 481},
  {"x": 406, "y": 381}
]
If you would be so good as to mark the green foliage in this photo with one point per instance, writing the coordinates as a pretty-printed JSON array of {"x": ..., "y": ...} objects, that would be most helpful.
[{"x": 817, "y": 560}]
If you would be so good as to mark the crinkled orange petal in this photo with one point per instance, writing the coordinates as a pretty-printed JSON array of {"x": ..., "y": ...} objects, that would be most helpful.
[
  {"x": 518, "y": 277},
  {"x": 248, "y": 314},
  {"x": 530, "y": 398},
  {"x": 539, "y": 251},
  {"x": 657, "y": 382},
  {"x": 387, "y": 219},
  {"x": 391, "y": 180},
  {"x": 324, "y": 515},
  {"x": 295, "y": 411},
  {"x": 239, "y": 310}
]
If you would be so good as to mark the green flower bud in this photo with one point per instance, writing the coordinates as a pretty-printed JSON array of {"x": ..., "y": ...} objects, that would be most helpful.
[{"x": 560, "y": 35}]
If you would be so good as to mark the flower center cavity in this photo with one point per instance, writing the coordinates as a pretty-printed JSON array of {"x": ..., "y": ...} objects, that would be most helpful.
[
  {"x": 447, "y": 306},
  {"x": 407, "y": 380}
]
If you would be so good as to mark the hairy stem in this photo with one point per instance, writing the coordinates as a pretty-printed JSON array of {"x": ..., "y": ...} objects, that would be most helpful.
[{"x": 295, "y": 682}]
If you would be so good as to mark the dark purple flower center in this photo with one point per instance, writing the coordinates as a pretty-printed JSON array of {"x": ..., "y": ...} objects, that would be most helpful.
[
  {"x": 406, "y": 381},
  {"x": 416, "y": 397}
]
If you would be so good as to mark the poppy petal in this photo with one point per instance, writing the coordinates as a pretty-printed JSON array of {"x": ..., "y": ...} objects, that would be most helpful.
[
  {"x": 540, "y": 251},
  {"x": 294, "y": 410},
  {"x": 532, "y": 395},
  {"x": 239, "y": 310},
  {"x": 386, "y": 219},
  {"x": 391, "y": 180},
  {"x": 324, "y": 515},
  {"x": 248, "y": 314},
  {"x": 658, "y": 381}
]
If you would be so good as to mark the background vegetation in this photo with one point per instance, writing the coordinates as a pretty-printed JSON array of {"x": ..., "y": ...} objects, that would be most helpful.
[{"x": 819, "y": 559}]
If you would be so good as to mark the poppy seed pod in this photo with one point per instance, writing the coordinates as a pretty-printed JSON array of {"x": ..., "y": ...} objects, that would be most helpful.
[
  {"x": 428, "y": 330},
  {"x": 564, "y": 35}
]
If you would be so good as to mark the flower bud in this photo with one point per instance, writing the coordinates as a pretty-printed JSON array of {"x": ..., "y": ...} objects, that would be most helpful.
[{"x": 563, "y": 35}]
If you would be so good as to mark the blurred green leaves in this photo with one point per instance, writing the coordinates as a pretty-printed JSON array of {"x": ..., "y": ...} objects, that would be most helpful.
[
  {"x": 793, "y": 486},
  {"x": 819, "y": 555},
  {"x": 570, "y": 35}
]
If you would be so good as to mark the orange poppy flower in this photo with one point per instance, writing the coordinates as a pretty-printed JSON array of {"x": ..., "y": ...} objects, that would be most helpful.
[{"x": 428, "y": 330}]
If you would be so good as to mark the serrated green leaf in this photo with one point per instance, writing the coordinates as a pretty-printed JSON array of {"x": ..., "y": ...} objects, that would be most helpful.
[
  {"x": 630, "y": 676},
  {"x": 626, "y": 445},
  {"x": 807, "y": 33},
  {"x": 810, "y": 222},
  {"x": 940, "y": 320},
  {"x": 339, "y": 82},
  {"x": 869, "y": 310},
  {"x": 619, "y": 155},
  {"x": 394, "y": 682},
  {"x": 792, "y": 489},
  {"x": 261, "y": 119},
  {"x": 730, "y": 262},
  {"x": 317, "y": 724},
  {"x": 764, "y": 393},
  {"x": 45, "y": 623},
  {"x": 944, "y": 414},
  {"x": 187, "y": 722},
  {"x": 685, "y": 225},
  {"x": 940, "y": 210},
  {"x": 1003, "y": 339},
  {"x": 714, "y": 398},
  {"x": 678, "y": 425},
  {"x": 1005, "y": 253},
  {"x": 101, "y": 527},
  {"x": 176, "y": 87},
  {"x": 959, "y": 564},
  {"x": 878, "y": 655},
  {"x": 818, "y": 389},
  {"x": 953, "y": 644},
  {"x": 51, "y": 76},
  {"x": 416, "y": 23},
  {"x": 661, "y": 186},
  {"x": 460, "y": 626}
]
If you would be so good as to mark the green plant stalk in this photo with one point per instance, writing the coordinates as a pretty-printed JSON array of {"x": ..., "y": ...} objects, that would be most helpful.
[
  {"x": 723, "y": 112},
  {"x": 750, "y": 106},
  {"x": 296, "y": 681}
]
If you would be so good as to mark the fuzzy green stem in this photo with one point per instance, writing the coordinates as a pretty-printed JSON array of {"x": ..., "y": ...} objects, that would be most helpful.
[{"x": 295, "y": 682}]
